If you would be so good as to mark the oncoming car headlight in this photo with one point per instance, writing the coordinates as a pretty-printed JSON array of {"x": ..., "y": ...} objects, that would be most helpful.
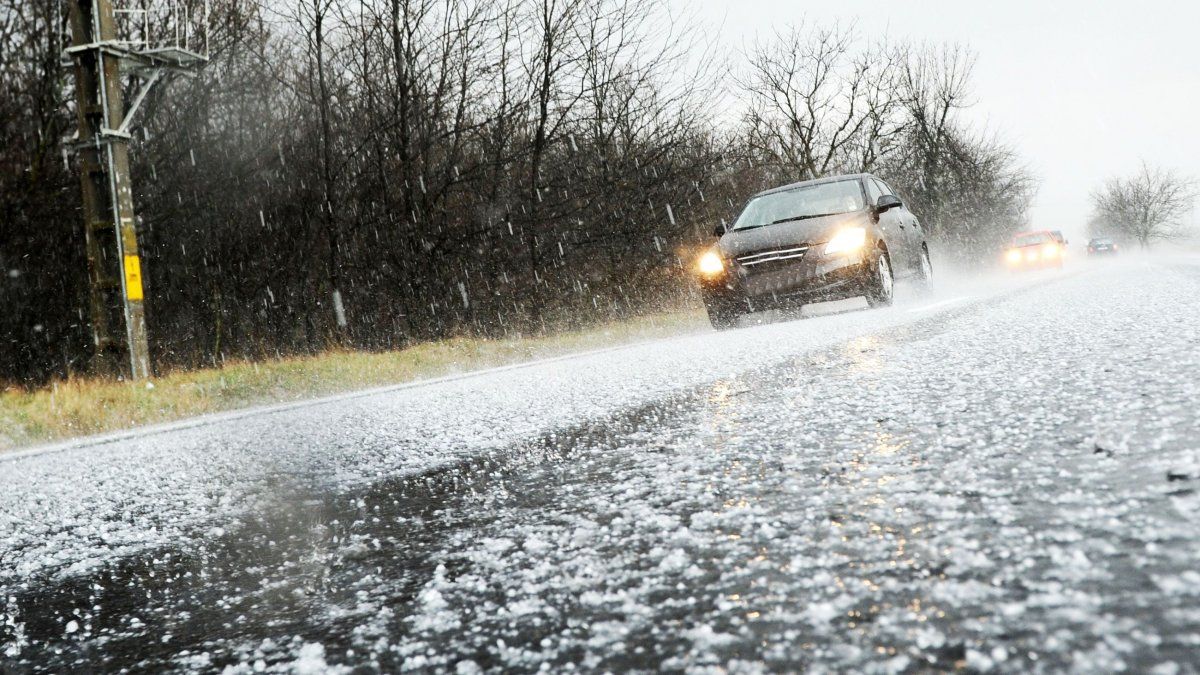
[
  {"x": 847, "y": 239},
  {"x": 710, "y": 264},
  {"x": 1014, "y": 256}
]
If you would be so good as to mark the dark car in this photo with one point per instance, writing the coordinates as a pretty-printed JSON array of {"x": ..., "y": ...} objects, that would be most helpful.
[
  {"x": 1101, "y": 246},
  {"x": 826, "y": 239}
]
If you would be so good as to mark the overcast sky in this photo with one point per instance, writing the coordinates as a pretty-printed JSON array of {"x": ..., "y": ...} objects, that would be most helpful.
[{"x": 1083, "y": 90}]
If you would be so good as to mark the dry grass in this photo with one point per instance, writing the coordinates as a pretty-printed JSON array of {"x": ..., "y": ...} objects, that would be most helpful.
[{"x": 79, "y": 406}]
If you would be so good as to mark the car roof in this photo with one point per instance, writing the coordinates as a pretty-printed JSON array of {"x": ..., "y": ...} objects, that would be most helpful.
[
  {"x": 1026, "y": 234},
  {"x": 818, "y": 181}
]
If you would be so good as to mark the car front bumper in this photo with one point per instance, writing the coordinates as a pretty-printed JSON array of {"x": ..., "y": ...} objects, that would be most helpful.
[
  {"x": 813, "y": 278},
  {"x": 1040, "y": 264}
]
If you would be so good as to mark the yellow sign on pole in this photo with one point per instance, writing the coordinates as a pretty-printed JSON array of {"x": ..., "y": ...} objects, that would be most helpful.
[{"x": 133, "y": 278}]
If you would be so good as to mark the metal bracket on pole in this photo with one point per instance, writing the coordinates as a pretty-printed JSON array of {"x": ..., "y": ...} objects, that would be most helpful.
[{"x": 127, "y": 124}]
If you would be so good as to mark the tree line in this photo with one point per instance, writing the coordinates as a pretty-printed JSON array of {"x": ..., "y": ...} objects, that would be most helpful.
[{"x": 368, "y": 174}]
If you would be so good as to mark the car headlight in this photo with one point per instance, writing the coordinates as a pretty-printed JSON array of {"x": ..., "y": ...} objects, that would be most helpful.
[
  {"x": 710, "y": 264},
  {"x": 846, "y": 240},
  {"x": 1013, "y": 256},
  {"x": 1050, "y": 251}
]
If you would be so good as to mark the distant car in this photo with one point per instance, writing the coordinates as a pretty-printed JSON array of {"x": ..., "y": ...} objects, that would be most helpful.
[
  {"x": 826, "y": 239},
  {"x": 1101, "y": 247},
  {"x": 1035, "y": 250}
]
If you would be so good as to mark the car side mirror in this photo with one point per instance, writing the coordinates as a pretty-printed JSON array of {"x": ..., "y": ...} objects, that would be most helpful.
[
  {"x": 719, "y": 231},
  {"x": 887, "y": 202}
]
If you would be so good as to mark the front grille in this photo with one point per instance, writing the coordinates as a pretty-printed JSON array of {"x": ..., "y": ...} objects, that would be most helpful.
[{"x": 772, "y": 256}]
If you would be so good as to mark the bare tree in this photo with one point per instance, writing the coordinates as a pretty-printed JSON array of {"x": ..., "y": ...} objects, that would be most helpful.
[
  {"x": 315, "y": 16},
  {"x": 1145, "y": 207},
  {"x": 969, "y": 186},
  {"x": 41, "y": 235},
  {"x": 823, "y": 101},
  {"x": 934, "y": 84},
  {"x": 820, "y": 102}
]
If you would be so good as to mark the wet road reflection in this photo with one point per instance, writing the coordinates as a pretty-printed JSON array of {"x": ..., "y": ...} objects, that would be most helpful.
[{"x": 855, "y": 509}]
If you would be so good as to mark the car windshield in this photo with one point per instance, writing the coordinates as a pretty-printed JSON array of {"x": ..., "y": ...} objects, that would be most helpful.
[
  {"x": 1031, "y": 239},
  {"x": 808, "y": 201},
  {"x": 1102, "y": 242}
]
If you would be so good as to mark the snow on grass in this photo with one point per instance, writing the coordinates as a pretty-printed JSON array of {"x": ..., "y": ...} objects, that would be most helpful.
[{"x": 82, "y": 406}]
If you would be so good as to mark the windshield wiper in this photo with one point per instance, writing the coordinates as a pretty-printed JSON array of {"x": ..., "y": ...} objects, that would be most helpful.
[
  {"x": 793, "y": 218},
  {"x": 783, "y": 220}
]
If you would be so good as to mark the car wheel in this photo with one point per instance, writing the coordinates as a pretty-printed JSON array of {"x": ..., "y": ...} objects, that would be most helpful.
[
  {"x": 924, "y": 269},
  {"x": 881, "y": 285},
  {"x": 722, "y": 319},
  {"x": 722, "y": 311}
]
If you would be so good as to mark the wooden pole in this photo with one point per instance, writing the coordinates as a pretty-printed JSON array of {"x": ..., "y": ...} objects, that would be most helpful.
[{"x": 114, "y": 264}]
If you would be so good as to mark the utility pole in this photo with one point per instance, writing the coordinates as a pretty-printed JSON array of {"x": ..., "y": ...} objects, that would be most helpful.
[
  {"x": 101, "y": 59},
  {"x": 114, "y": 266}
]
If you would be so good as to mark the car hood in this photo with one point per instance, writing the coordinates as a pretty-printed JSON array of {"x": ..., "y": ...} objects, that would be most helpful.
[{"x": 796, "y": 233}]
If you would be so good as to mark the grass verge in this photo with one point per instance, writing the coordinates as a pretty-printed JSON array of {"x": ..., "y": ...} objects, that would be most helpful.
[{"x": 82, "y": 406}]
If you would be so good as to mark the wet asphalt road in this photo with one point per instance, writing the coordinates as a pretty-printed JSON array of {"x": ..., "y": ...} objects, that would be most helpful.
[{"x": 1008, "y": 483}]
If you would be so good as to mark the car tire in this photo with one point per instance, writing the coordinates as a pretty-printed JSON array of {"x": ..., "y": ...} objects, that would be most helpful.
[
  {"x": 722, "y": 319},
  {"x": 924, "y": 269},
  {"x": 881, "y": 282}
]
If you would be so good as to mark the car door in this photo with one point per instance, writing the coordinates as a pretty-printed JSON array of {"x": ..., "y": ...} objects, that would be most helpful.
[
  {"x": 907, "y": 232},
  {"x": 891, "y": 222}
]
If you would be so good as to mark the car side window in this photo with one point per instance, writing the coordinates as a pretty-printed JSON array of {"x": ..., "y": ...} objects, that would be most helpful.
[
  {"x": 880, "y": 185},
  {"x": 873, "y": 193}
]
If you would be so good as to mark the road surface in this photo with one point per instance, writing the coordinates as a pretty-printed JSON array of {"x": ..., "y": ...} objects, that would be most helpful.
[{"x": 1000, "y": 475}]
